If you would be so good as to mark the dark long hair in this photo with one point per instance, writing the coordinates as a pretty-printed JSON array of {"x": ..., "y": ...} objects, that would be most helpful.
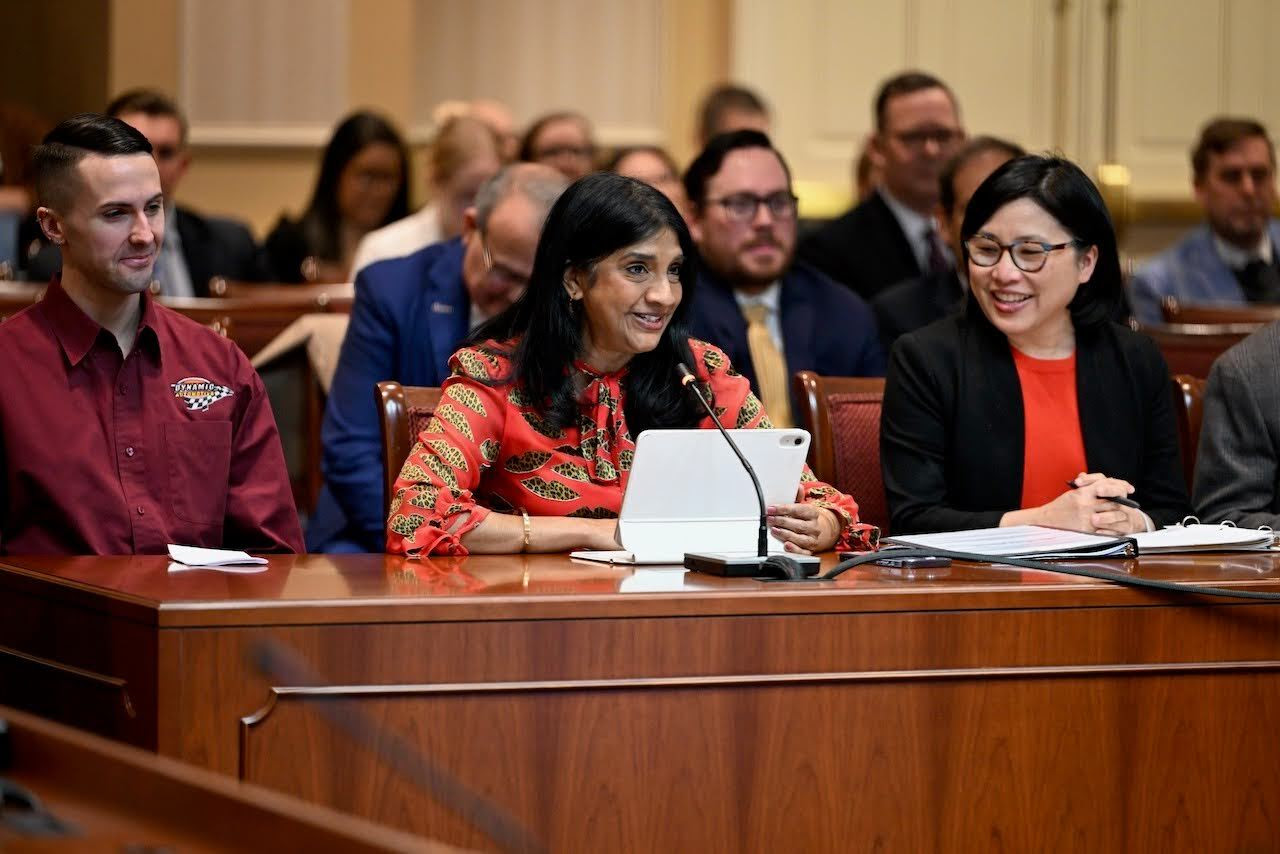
[
  {"x": 321, "y": 220},
  {"x": 1062, "y": 189},
  {"x": 597, "y": 216}
]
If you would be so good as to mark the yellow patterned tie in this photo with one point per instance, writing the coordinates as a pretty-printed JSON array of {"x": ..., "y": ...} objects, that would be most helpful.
[{"x": 771, "y": 368}]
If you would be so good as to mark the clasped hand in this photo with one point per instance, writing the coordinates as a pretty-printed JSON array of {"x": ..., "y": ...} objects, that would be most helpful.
[{"x": 1087, "y": 509}]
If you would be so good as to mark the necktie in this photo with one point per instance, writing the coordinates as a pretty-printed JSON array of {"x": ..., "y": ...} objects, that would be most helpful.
[
  {"x": 938, "y": 262},
  {"x": 771, "y": 368},
  {"x": 1260, "y": 281}
]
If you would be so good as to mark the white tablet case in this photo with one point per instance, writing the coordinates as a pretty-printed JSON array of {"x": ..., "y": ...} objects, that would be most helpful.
[{"x": 689, "y": 493}]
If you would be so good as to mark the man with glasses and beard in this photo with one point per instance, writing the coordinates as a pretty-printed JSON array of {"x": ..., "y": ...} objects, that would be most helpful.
[
  {"x": 772, "y": 317},
  {"x": 893, "y": 235},
  {"x": 408, "y": 317}
]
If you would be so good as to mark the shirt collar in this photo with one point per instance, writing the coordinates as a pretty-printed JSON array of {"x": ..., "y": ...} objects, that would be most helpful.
[
  {"x": 768, "y": 297},
  {"x": 1237, "y": 258},
  {"x": 912, "y": 223},
  {"x": 77, "y": 332}
]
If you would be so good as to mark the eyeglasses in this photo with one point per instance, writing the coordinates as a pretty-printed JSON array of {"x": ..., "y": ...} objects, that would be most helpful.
[
  {"x": 1029, "y": 256},
  {"x": 581, "y": 152},
  {"x": 742, "y": 207},
  {"x": 499, "y": 271},
  {"x": 916, "y": 139}
]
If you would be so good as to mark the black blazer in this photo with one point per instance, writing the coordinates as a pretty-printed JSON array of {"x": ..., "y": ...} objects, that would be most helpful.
[
  {"x": 864, "y": 249},
  {"x": 211, "y": 246},
  {"x": 909, "y": 305},
  {"x": 216, "y": 246},
  {"x": 951, "y": 432}
]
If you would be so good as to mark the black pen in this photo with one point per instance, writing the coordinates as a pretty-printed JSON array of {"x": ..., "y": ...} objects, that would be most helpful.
[{"x": 1118, "y": 499}]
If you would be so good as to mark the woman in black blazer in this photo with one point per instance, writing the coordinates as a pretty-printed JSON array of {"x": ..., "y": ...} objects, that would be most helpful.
[{"x": 961, "y": 394}]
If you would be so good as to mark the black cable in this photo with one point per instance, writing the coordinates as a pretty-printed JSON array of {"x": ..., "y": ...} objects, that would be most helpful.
[{"x": 1063, "y": 568}]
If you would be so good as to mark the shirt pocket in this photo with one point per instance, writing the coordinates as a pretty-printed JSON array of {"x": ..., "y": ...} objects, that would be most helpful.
[{"x": 198, "y": 457}]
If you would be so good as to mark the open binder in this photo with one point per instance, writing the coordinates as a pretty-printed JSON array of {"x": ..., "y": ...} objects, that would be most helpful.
[{"x": 1197, "y": 537}]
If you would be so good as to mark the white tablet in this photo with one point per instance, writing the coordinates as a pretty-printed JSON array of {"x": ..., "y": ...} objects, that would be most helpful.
[{"x": 689, "y": 493}]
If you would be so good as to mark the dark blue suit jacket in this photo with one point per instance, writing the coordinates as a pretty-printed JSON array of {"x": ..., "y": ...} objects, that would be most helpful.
[
  {"x": 408, "y": 317},
  {"x": 826, "y": 328}
]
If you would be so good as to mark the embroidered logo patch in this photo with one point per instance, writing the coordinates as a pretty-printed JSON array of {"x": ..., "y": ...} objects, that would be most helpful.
[{"x": 199, "y": 393}]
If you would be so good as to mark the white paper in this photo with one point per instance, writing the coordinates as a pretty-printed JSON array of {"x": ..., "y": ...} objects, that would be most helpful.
[
  {"x": 1203, "y": 538},
  {"x": 192, "y": 556},
  {"x": 1016, "y": 541},
  {"x": 240, "y": 569}
]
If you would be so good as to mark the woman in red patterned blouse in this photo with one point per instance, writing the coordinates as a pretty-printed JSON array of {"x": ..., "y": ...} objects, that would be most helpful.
[{"x": 532, "y": 443}]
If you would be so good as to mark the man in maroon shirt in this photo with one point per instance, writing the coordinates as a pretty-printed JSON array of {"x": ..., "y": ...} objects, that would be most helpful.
[{"x": 123, "y": 425}]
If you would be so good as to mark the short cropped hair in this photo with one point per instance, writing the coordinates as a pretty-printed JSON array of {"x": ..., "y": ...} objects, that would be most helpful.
[
  {"x": 707, "y": 164},
  {"x": 904, "y": 84},
  {"x": 1223, "y": 133},
  {"x": 534, "y": 182},
  {"x": 1065, "y": 192},
  {"x": 975, "y": 147},
  {"x": 55, "y": 159},
  {"x": 723, "y": 99},
  {"x": 149, "y": 102}
]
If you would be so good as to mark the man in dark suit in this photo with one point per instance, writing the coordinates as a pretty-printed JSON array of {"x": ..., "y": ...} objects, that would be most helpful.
[
  {"x": 920, "y": 301},
  {"x": 892, "y": 235},
  {"x": 409, "y": 316},
  {"x": 1238, "y": 464},
  {"x": 771, "y": 316},
  {"x": 197, "y": 248}
]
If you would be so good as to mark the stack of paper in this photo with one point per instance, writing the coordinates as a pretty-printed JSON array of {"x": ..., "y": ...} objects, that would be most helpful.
[
  {"x": 1030, "y": 541},
  {"x": 1204, "y": 538}
]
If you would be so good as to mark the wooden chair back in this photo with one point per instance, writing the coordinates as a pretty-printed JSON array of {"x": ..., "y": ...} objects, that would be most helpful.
[
  {"x": 842, "y": 415},
  {"x": 1258, "y": 314},
  {"x": 1191, "y": 348},
  {"x": 404, "y": 412},
  {"x": 1188, "y": 412}
]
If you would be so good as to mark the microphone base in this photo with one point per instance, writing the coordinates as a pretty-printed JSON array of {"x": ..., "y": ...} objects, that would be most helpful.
[{"x": 745, "y": 565}]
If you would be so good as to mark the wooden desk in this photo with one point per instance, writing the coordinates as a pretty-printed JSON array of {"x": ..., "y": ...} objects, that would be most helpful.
[
  {"x": 995, "y": 709},
  {"x": 117, "y": 798}
]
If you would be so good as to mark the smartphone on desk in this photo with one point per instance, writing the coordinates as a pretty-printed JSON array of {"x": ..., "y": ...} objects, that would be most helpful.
[{"x": 910, "y": 567}]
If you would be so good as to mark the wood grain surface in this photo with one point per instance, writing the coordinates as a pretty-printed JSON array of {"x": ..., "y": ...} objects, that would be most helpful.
[{"x": 993, "y": 709}]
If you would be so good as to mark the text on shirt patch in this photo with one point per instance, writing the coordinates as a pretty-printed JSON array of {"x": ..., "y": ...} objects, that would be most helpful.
[{"x": 199, "y": 393}]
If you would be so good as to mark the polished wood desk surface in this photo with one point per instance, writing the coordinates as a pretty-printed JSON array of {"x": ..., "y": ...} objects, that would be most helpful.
[
  {"x": 391, "y": 588},
  {"x": 118, "y": 798},
  {"x": 991, "y": 709}
]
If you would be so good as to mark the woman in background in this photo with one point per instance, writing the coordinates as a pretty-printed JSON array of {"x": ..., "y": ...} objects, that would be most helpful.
[
  {"x": 466, "y": 153},
  {"x": 531, "y": 446},
  {"x": 562, "y": 141},
  {"x": 655, "y": 167},
  {"x": 363, "y": 185},
  {"x": 1032, "y": 406}
]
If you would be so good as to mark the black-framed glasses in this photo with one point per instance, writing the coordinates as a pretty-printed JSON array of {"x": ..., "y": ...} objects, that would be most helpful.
[
  {"x": 742, "y": 207},
  {"x": 1029, "y": 256},
  {"x": 916, "y": 139}
]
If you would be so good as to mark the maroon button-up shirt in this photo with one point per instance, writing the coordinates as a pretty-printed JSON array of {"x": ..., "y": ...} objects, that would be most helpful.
[{"x": 108, "y": 454}]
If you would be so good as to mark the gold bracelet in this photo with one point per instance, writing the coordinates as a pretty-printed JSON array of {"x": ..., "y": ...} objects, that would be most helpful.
[{"x": 528, "y": 531}]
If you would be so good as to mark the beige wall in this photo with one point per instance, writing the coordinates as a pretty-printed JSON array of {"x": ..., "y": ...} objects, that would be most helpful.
[{"x": 265, "y": 80}]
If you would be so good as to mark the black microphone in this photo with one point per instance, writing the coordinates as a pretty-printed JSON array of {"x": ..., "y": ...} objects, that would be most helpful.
[{"x": 780, "y": 566}]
